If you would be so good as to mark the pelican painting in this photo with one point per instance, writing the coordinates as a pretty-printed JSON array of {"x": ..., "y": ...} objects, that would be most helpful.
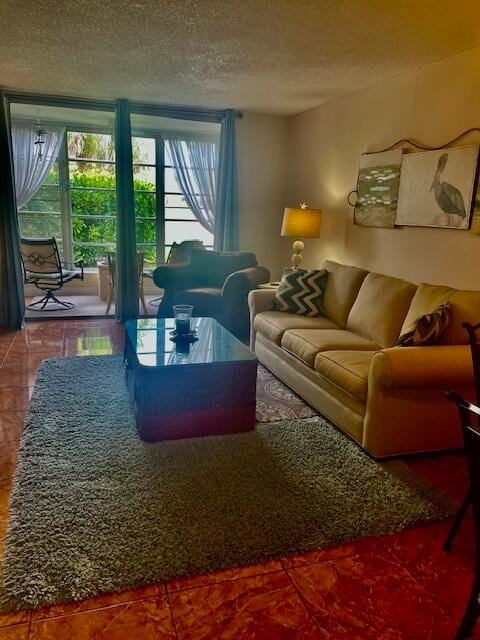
[{"x": 436, "y": 188}]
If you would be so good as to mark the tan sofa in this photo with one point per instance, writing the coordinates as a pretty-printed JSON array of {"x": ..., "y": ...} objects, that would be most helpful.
[{"x": 389, "y": 399}]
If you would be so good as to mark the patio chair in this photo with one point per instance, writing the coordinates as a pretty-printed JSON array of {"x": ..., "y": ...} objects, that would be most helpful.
[
  {"x": 112, "y": 277},
  {"x": 470, "y": 420},
  {"x": 43, "y": 268}
]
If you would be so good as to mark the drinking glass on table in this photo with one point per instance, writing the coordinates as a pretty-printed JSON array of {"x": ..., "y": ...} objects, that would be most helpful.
[{"x": 183, "y": 315}]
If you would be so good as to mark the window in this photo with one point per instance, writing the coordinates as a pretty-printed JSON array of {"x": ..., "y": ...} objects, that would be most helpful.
[
  {"x": 41, "y": 217},
  {"x": 91, "y": 183},
  {"x": 77, "y": 202},
  {"x": 146, "y": 196},
  {"x": 180, "y": 223},
  {"x": 162, "y": 215}
]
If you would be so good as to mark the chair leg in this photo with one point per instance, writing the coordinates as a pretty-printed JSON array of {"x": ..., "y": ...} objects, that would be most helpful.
[
  {"x": 109, "y": 303},
  {"x": 447, "y": 545},
  {"x": 49, "y": 297},
  {"x": 142, "y": 298}
]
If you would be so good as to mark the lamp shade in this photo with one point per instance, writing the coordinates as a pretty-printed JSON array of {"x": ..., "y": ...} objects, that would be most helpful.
[{"x": 302, "y": 222}]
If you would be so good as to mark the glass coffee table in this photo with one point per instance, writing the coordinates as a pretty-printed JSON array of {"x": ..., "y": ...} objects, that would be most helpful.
[{"x": 183, "y": 390}]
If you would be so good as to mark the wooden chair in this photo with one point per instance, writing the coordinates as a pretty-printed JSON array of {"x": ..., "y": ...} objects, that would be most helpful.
[
  {"x": 112, "y": 279},
  {"x": 470, "y": 421},
  {"x": 43, "y": 268},
  {"x": 474, "y": 341}
]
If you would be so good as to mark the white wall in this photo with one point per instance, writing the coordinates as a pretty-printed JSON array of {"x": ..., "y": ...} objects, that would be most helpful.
[
  {"x": 433, "y": 105},
  {"x": 262, "y": 167}
]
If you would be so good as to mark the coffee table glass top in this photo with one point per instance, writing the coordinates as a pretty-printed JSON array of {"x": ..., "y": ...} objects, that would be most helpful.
[{"x": 150, "y": 338}]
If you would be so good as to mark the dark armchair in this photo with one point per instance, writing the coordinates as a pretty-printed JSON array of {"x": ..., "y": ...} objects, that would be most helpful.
[{"x": 216, "y": 284}]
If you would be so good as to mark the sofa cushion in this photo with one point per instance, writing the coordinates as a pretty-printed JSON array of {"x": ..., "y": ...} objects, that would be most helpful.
[
  {"x": 348, "y": 370},
  {"x": 343, "y": 284},
  {"x": 464, "y": 307},
  {"x": 427, "y": 329},
  {"x": 306, "y": 343},
  {"x": 301, "y": 291},
  {"x": 380, "y": 308},
  {"x": 273, "y": 324}
]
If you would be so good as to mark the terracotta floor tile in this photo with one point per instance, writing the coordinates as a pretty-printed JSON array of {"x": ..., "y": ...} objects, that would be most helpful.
[
  {"x": 7, "y": 335},
  {"x": 369, "y": 597},
  {"x": 321, "y": 555},
  {"x": 100, "y": 602},
  {"x": 11, "y": 426},
  {"x": 11, "y": 376},
  {"x": 15, "y": 398},
  {"x": 264, "y": 607},
  {"x": 447, "y": 577},
  {"x": 447, "y": 472},
  {"x": 143, "y": 620},
  {"x": 39, "y": 341},
  {"x": 14, "y": 617},
  {"x": 19, "y": 632},
  {"x": 91, "y": 346},
  {"x": 5, "y": 488},
  {"x": 222, "y": 576},
  {"x": 51, "y": 327},
  {"x": 8, "y": 459},
  {"x": 27, "y": 361}
]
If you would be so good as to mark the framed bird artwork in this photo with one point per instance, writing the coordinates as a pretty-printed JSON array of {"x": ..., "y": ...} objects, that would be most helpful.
[{"x": 437, "y": 188}]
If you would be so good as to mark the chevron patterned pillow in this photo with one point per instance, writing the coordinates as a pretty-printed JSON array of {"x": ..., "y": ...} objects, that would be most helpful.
[
  {"x": 301, "y": 291},
  {"x": 427, "y": 329}
]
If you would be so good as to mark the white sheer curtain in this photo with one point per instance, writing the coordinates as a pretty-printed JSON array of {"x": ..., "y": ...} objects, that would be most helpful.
[
  {"x": 30, "y": 170},
  {"x": 195, "y": 167}
]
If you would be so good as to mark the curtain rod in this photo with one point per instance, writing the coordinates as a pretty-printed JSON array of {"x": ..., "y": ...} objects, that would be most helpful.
[{"x": 146, "y": 108}]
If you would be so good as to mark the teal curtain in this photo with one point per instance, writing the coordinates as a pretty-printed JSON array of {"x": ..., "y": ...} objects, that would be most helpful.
[
  {"x": 226, "y": 205},
  {"x": 126, "y": 295},
  {"x": 12, "y": 304}
]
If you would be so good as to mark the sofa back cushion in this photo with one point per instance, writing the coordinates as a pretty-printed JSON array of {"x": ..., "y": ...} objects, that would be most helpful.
[
  {"x": 380, "y": 308},
  {"x": 464, "y": 307},
  {"x": 343, "y": 284}
]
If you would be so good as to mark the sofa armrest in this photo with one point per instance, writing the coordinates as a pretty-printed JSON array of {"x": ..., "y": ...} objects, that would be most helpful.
[
  {"x": 259, "y": 300},
  {"x": 242, "y": 281},
  {"x": 435, "y": 366},
  {"x": 235, "y": 314}
]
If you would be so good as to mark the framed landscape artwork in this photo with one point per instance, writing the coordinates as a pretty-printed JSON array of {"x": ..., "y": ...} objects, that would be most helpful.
[
  {"x": 377, "y": 189},
  {"x": 437, "y": 188}
]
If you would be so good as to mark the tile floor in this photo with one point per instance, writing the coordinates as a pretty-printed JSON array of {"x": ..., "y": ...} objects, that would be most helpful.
[{"x": 388, "y": 588}]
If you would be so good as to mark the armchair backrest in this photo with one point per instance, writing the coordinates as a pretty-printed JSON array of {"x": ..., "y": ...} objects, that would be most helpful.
[
  {"x": 40, "y": 256},
  {"x": 180, "y": 252},
  {"x": 213, "y": 267}
]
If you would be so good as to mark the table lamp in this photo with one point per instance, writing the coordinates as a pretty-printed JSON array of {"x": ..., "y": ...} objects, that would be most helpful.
[{"x": 300, "y": 223}]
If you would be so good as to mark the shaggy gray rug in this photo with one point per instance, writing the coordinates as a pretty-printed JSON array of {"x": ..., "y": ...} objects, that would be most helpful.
[{"x": 94, "y": 509}]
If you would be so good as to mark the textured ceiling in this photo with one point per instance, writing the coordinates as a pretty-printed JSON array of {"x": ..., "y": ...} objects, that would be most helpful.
[{"x": 273, "y": 56}]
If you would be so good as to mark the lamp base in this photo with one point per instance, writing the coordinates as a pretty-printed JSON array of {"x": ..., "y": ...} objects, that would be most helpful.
[{"x": 296, "y": 257}]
